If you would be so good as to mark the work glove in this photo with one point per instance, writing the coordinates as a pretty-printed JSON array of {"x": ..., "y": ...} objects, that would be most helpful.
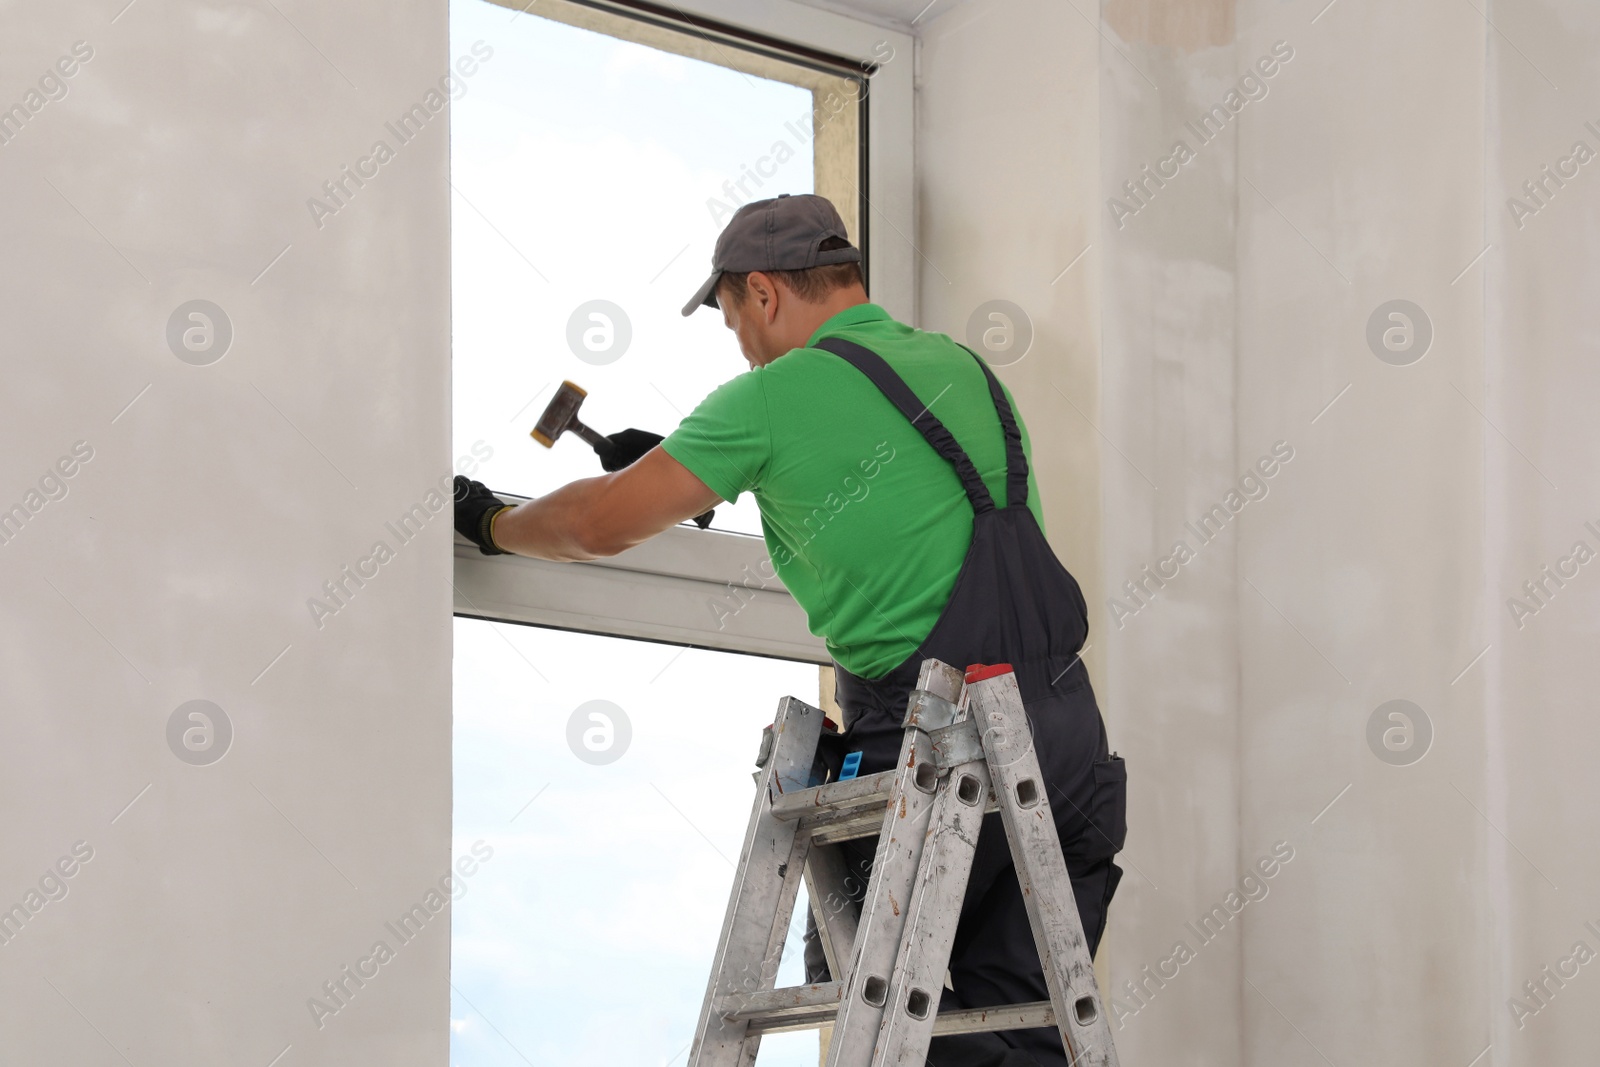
[
  {"x": 627, "y": 447},
  {"x": 476, "y": 508}
]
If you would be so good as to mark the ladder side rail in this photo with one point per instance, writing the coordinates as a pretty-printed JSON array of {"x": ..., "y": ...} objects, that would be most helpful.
[
  {"x": 793, "y": 873},
  {"x": 827, "y": 886},
  {"x": 756, "y": 897},
  {"x": 1042, "y": 871},
  {"x": 894, "y": 872},
  {"x": 931, "y": 916}
]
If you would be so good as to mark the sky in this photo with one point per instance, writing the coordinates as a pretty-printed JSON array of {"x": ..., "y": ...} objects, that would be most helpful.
[{"x": 581, "y": 166}]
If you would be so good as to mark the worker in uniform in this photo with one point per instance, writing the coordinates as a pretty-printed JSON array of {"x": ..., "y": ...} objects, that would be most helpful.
[{"x": 893, "y": 474}]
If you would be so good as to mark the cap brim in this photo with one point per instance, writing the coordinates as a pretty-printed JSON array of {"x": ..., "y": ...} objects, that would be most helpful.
[{"x": 706, "y": 297}]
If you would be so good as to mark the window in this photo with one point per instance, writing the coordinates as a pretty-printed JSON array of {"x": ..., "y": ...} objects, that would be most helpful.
[
  {"x": 587, "y": 935},
  {"x": 595, "y": 154}
]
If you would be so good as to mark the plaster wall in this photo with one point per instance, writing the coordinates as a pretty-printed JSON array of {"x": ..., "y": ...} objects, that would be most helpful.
[
  {"x": 210, "y": 499},
  {"x": 1221, "y": 325}
]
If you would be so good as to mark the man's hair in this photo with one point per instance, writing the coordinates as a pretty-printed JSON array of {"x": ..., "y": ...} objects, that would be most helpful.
[{"x": 809, "y": 285}]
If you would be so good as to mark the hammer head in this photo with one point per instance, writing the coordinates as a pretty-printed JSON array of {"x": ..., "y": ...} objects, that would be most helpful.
[{"x": 560, "y": 415}]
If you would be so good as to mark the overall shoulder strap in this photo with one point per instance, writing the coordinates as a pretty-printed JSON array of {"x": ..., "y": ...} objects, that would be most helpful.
[
  {"x": 900, "y": 395},
  {"x": 1016, "y": 459}
]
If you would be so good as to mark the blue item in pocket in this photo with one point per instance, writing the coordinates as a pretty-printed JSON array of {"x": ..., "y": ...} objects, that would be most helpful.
[{"x": 852, "y": 765}]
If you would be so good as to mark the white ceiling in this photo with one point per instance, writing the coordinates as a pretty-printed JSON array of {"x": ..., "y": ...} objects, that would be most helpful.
[{"x": 896, "y": 13}]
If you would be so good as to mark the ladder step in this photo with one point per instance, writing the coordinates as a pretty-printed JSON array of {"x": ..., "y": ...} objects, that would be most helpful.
[
  {"x": 839, "y": 811},
  {"x": 836, "y": 797},
  {"x": 801, "y": 1007},
  {"x": 831, "y": 831},
  {"x": 986, "y": 1020},
  {"x": 843, "y": 811},
  {"x": 806, "y": 1007}
]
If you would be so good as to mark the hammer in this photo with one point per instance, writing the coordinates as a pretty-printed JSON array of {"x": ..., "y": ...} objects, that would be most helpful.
[{"x": 561, "y": 415}]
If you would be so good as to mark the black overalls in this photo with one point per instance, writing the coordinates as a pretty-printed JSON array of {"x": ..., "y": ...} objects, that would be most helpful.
[{"x": 1013, "y": 602}]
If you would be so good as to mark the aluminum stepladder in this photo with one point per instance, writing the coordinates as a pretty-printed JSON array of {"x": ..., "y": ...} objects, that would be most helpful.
[{"x": 968, "y": 750}]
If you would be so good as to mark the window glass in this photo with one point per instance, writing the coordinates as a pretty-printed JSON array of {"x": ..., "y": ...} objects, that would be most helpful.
[
  {"x": 605, "y": 847},
  {"x": 591, "y": 176}
]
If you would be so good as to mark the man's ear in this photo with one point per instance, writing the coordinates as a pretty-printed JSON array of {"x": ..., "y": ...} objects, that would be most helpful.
[{"x": 764, "y": 290}]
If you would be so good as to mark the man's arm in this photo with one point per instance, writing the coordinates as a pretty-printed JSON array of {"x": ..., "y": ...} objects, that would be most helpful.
[{"x": 602, "y": 516}]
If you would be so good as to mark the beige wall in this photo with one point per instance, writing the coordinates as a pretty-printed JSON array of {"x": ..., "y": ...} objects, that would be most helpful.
[
  {"x": 1019, "y": 174},
  {"x": 220, "y": 898},
  {"x": 1540, "y": 380},
  {"x": 1220, "y": 317},
  {"x": 1373, "y": 545}
]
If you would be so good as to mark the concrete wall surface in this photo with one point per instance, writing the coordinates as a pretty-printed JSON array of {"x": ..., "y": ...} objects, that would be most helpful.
[
  {"x": 1537, "y": 393},
  {"x": 1310, "y": 412},
  {"x": 181, "y": 879}
]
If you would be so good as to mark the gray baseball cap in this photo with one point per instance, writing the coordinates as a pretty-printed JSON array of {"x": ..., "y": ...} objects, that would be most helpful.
[{"x": 778, "y": 234}]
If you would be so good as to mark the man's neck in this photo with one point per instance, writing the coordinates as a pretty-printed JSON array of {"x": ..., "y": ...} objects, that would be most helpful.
[{"x": 829, "y": 306}]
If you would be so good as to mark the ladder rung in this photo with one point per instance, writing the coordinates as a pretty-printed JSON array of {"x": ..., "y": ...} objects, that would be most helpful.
[
  {"x": 807, "y": 1007},
  {"x": 873, "y": 790},
  {"x": 833, "y": 826},
  {"x": 801, "y": 1007},
  {"x": 830, "y": 831},
  {"x": 986, "y": 1020}
]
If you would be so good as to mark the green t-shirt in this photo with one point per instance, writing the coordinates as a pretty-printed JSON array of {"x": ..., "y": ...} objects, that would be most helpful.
[{"x": 865, "y": 524}]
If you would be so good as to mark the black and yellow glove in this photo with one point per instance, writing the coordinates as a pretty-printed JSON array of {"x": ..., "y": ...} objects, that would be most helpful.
[
  {"x": 627, "y": 447},
  {"x": 475, "y": 510}
]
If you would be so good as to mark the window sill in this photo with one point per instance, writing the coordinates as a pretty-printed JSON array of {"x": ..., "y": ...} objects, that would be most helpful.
[{"x": 687, "y": 586}]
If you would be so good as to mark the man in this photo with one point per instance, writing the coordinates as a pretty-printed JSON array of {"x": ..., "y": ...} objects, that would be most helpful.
[{"x": 900, "y": 511}]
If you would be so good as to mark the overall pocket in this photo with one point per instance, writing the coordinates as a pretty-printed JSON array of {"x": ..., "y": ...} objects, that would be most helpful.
[{"x": 1107, "y": 813}]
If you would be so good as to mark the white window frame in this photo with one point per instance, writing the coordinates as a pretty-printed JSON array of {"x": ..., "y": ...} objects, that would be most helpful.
[{"x": 706, "y": 588}]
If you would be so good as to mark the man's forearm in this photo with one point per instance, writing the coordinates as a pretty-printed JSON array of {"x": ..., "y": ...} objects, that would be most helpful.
[
  {"x": 596, "y": 517},
  {"x": 552, "y": 526}
]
